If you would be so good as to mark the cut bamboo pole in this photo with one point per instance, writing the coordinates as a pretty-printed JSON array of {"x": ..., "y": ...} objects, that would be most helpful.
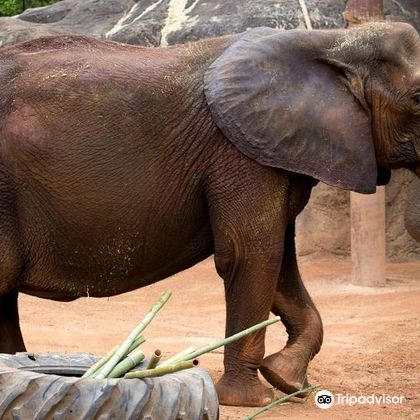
[
  {"x": 133, "y": 359},
  {"x": 137, "y": 342},
  {"x": 122, "y": 350},
  {"x": 154, "y": 360},
  {"x": 179, "y": 356},
  {"x": 162, "y": 370},
  {"x": 93, "y": 370},
  {"x": 230, "y": 339},
  {"x": 99, "y": 363}
]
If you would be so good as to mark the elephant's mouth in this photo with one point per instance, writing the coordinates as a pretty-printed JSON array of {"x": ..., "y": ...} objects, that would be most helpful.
[{"x": 417, "y": 171}]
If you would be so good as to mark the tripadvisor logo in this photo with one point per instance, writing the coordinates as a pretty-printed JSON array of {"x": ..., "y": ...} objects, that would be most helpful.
[{"x": 325, "y": 399}]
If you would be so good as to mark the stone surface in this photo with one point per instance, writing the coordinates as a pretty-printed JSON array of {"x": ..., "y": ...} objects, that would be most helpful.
[
  {"x": 412, "y": 211},
  {"x": 324, "y": 226},
  {"x": 165, "y": 22},
  {"x": 400, "y": 244}
]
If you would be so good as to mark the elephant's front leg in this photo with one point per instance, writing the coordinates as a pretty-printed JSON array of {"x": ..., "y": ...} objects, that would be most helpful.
[
  {"x": 249, "y": 235},
  {"x": 249, "y": 288},
  {"x": 286, "y": 370}
]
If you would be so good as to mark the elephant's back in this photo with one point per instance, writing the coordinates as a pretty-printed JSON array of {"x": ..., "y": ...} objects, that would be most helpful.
[
  {"x": 81, "y": 57},
  {"x": 52, "y": 85}
]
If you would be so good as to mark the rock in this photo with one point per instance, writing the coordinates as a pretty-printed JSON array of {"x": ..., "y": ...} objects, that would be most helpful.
[
  {"x": 142, "y": 24},
  {"x": 400, "y": 245},
  {"x": 324, "y": 226},
  {"x": 165, "y": 22},
  {"x": 404, "y": 11},
  {"x": 50, "y": 14},
  {"x": 90, "y": 17},
  {"x": 14, "y": 30}
]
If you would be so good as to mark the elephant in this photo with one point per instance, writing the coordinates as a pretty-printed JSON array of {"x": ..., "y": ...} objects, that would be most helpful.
[{"x": 122, "y": 165}]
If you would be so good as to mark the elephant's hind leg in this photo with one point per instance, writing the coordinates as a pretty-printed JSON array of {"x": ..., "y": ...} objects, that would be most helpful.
[
  {"x": 10, "y": 270},
  {"x": 286, "y": 370},
  {"x": 11, "y": 339},
  {"x": 11, "y": 264}
]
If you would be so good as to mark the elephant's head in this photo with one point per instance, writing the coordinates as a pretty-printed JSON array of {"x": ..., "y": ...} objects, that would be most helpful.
[{"x": 332, "y": 104}]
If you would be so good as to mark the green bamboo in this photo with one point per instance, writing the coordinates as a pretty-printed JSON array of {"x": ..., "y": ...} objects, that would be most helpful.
[
  {"x": 178, "y": 357},
  {"x": 162, "y": 370},
  {"x": 93, "y": 370},
  {"x": 136, "y": 343},
  {"x": 122, "y": 350},
  {"x": 280, "y": 401},
  {"x": 230, "y": 339},
  {"x": 99, "y": 363},
  {"x": 133, "y": 359},
  {"x": 154, "y": 360}
]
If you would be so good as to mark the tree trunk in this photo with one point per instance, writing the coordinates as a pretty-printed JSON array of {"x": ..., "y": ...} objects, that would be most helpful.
[
  {"x": 359, "y": 11},
  {"x": 368, "y": 238},
  {"x": 367, "y": 211}
]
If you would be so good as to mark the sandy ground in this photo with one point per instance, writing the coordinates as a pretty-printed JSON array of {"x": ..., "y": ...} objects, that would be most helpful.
[{"x": 371, "y": 343}]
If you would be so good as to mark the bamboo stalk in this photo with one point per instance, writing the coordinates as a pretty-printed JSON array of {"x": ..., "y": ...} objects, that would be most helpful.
[
  {"x": 93, "y": 370},
  {"x": 99, "y": 363},
  {"x": 162, "y": 370},
  {"x": 136, "y": 343},
  {"x": 280, "y": 401},
  {"x": 122, "y": 350},
  {"x": 178, "y": 357},
  {"x": 230, "y": 339},
  {"x": 154, "y": 360},
  {"x": 133, "y": 359}
]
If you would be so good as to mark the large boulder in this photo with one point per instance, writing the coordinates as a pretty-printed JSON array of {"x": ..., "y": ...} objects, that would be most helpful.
[
  {"x": 90, "y": 17},
  {"x": 324, "y": 226},
  {"x": 166, "y": 22}
]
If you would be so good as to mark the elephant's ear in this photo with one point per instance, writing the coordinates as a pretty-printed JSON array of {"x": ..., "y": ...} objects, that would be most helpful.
[{"x": 280, "y": 102}]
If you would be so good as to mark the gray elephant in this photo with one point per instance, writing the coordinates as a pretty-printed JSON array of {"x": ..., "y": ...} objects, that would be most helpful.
[{"x": 122, "y": 165}]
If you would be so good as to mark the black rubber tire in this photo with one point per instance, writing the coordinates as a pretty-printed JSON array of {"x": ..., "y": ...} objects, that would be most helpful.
[{"x": 28, "y": 394}]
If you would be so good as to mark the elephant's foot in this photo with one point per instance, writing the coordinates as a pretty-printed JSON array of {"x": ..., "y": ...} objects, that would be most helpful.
[
  {"x": 285, "y": 370},
  {"x": 243, "y": 392}
]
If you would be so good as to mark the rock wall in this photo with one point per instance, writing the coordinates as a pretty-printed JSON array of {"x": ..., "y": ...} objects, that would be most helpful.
[
  {"x": 324, "y": 226},
  {"x": 166, "y": 22}
]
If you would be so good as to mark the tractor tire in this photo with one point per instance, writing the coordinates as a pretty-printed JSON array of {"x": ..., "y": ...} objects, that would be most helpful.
[{"x": 49, "y": 386}]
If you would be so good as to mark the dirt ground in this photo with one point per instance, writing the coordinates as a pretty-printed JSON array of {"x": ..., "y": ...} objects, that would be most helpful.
[{"x": 371, "y": 343}]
